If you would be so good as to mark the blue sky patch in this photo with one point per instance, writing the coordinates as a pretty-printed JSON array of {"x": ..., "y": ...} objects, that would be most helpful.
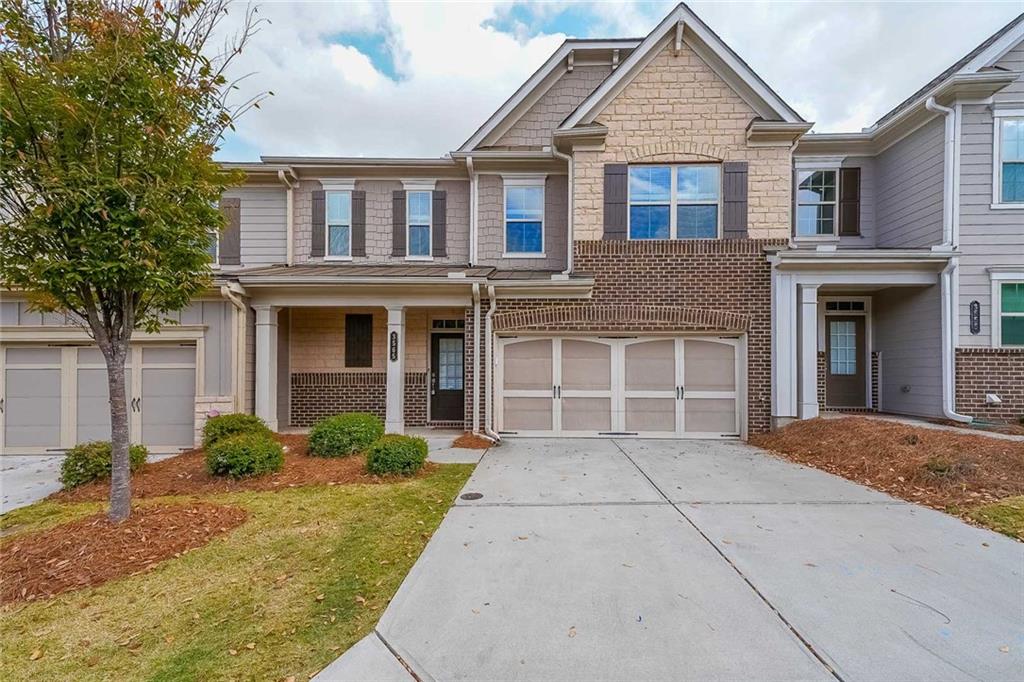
[
  {"x": 527, "y": 21},
  {"x": 375, "y": 46}
]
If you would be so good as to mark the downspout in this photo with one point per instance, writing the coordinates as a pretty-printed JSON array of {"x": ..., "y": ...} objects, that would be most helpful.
[
  {"x": 232, "y": 292},
  {"x": 489, "y": 342},
  {"x": 289, "y": 220},
  {"x": 476, "y": 358},
  {"x": 947, "y": 283},
  {"x": 473, "y": 184},
  {"x": 949, "y": 173},
  {"x": 572, "y": 203}
]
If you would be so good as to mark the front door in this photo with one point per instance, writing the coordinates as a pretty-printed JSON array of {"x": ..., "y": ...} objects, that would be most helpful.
[
  {"x": 447, "y": 394},
  {"x": 845, "y": 361}
]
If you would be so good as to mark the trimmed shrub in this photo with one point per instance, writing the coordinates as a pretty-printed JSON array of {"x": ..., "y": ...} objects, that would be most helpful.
[
  {"x": 91, "y": 461},
  {"x": 344, "y": 434},
  {"x": 227, "y": 425},
  {"x": 394, "y": 454},
  {"x": 247, "y": 454}
]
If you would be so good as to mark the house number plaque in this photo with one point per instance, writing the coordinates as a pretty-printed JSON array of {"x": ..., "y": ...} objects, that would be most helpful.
[
  {"x": 975, "y": 317},
  {"x": 394, "y": 346}
]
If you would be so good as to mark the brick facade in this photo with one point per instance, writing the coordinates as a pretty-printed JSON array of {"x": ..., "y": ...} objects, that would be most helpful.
[
  {"x": 990, "y": 370},
  {"x": 315, "y": 395}
]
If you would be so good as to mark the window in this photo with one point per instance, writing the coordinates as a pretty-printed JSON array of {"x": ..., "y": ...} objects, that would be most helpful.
[
  {"x": 419, "y": 220},
  {"x": 213, "y": 246},
  {"x": 1011, "y": 313},
  {"x": 843, "y": 306},
  {"x": 359, "y": 340},
  {"x": 339, "y": 224},
  {"x": 524, "y": 219},
  {"x": 674, "y": 202},
  {"x": 842, "y": 336},
  {"x": 816, "y": 203},
  {"x": 448, "y": 324},
  {"x": 1010, "y": 171}
]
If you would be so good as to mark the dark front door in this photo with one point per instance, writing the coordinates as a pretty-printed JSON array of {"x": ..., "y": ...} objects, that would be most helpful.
[
  {"x": 845, "y": 360},
  {"x": 446, "y": 377}
]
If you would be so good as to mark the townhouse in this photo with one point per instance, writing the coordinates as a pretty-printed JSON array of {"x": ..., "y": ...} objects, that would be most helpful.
[{"x": 643, "y": 240}]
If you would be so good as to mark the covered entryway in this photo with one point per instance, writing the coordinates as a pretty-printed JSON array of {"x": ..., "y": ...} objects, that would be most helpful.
[
  {"x": 638, "y": 386},
  {"x": 54, "y": 396}
]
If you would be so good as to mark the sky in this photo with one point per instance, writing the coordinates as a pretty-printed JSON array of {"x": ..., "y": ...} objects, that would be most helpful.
[{"x": 417, "y": 78}]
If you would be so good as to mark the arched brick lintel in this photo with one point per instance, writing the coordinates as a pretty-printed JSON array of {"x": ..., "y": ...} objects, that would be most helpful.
[
  {"x": 600, "y": 317},
  {"x": 662, "y": 150}
]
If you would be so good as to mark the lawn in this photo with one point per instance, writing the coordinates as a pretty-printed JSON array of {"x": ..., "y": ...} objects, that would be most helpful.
[
  {"x": 306, "y": 576},
  {"x": 1005, "y": 516}
]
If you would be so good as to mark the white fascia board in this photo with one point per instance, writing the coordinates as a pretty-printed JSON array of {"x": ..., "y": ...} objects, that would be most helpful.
[
  {"x": 997, "y": 50},
  {"x": 662, "y": 35},
  {"x": 817, "y": 162}
]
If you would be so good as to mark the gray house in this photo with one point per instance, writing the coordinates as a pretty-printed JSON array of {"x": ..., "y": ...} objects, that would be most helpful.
[{"x": 643, "y": 240}]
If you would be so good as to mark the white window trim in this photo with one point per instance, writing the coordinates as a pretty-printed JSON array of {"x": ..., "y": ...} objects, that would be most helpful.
[
  {"x": 345, "y": 187},
  {"x": 419, "y": 185},
  {"x": 803, "y": 168},
  {"x": 523, "y": 180},
  {"x": 997, "y": 163},
  {"x": 215, "y": 264},
  {"x": 408, "y": 223},
  {"x": 674, "y": 202},
  {"x": 999, "y": 278}
]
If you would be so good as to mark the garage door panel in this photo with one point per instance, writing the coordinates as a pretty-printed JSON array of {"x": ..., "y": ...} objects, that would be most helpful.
[
  {"x": 528, "y": 414},
  {"x": 528, "y": 365},
  {"x": 710, "y": 415},
  {"x": 709, "y": 366},
  {"x": 586, "y": 414},
  {"x": 651, "y": 365},
  {"x": 168, "y": 406},
  {"x": 33, "y": 404},
  {"x": 651, "y": 415},
  {"x": 94, "y": 402},
  {"x": 586, "y": 365}
]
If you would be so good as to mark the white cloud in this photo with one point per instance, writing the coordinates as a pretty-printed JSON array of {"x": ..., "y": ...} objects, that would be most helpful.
[{"x": 839, "y": 64}]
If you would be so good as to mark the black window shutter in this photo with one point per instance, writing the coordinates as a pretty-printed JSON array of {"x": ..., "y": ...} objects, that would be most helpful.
[
  {"x": 319, "y": 226},
  {"x": 359, "y": 340},
  {"x": 398, "y": 223},
  {"x": 231, "y": 237},
  {"x": 616, "y": 193},
  {"x": 359, "y": 223},
  {"x": 439, "y": 229},
  {"x": 734, "y": 199},
  {"x": 849, "y": 202}
]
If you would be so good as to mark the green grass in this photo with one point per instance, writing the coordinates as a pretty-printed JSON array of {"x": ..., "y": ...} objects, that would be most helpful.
[
  {"x": 351, "y": 546},
  {"x": 1005, "y": 516}
]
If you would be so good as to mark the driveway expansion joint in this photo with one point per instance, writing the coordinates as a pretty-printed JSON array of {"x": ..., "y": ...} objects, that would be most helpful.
[
  {"x": 612, "y": 503},
  {"x": 419, "y": 677}
]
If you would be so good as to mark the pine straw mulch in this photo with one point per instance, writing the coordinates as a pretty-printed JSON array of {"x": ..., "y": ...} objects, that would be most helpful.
[
  {"x": 937, "y": 468},
  {"x": 186, "y": 474},
  {"x": 472, "y": 441},
  {"x": 93, "y": 550}
]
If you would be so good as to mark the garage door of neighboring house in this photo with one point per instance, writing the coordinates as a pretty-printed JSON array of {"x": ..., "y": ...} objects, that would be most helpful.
[
  {"x": 593, "y": 386},
  {"x": 53, "y": 397}
]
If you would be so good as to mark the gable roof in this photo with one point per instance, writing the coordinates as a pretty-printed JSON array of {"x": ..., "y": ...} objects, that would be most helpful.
[
  {"x": 985, "y": 54},
  {"x": 710, "y": 47},
  {"x": 539, "y": 82}
]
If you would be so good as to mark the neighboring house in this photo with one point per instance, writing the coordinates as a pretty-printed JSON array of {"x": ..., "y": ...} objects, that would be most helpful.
[{"x": 643, "y": 240}]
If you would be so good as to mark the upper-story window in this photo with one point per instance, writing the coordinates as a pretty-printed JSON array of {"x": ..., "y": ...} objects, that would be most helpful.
[
  {"x": 675, "y": 202},
  {"x": 339, "y": 224},
  {"x": 524, "y": 218},
  {"x": 1011, "y": 313},
  {"x": 213, "y": 247},
  {"x": 1010, "y": 167},
  {"x": 419, "y": 221},
  {"x": 816, "y": 203}
]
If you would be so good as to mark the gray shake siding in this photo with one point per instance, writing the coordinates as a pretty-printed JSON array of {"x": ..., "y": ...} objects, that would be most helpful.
[
  {"x": 263, "y": 226},
  {"x": 909, "y": 189},
  {"x": 492, "y": 224},
  {"x": 988, "y": 237},
  {"x": 907, "y": 332}
]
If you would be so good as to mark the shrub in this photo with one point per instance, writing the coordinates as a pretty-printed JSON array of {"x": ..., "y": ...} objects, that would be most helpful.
[
  {"x": 247, "y": 454},
  {"x": 344, "y": 434},
  {"x": 394, "y": 454},
  {"x": 227, "y": 425},
  {"x": 90, "y": 461}
]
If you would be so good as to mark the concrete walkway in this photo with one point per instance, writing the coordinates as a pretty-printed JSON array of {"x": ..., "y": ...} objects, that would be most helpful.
[
  {"x": 701, "y": 560},
  {"x": 924, "y": 424}
]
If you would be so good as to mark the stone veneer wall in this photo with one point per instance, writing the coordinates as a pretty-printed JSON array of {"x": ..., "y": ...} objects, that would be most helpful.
[{"x": 990, "y": 370}]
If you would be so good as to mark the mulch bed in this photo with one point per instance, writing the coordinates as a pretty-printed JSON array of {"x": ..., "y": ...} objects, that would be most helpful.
[
  {"x": 472, "y": 442},
  {"x": 937, "y": 468},
  {"x": 92, "y": 551},
  {"x": 186, "y": 475}
]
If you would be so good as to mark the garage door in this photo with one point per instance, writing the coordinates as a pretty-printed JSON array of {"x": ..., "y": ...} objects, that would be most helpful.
[
  {"x": 53, "y": 397},
  {"x": 588, "y": 386}
]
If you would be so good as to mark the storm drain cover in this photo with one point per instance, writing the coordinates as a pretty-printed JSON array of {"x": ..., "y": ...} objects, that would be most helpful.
[{"x": 471, "y": 496}]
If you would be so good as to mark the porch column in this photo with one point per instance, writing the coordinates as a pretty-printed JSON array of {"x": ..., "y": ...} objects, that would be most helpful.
[
  {"x": 394, "y": 419},
  {"x": 266, "y": 364},
  {"x": 808, "y": 350}
]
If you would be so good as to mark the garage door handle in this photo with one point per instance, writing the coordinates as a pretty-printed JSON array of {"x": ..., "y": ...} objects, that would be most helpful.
[{"x": 1, "y": 405}]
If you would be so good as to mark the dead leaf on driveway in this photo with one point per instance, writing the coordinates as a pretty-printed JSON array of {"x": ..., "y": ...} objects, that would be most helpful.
[{"x": 572, "y": 631}]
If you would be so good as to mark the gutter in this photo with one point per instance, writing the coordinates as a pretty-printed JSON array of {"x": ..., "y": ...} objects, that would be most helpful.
[
  {"x": 948, "y": 286},
  {"x": 233, "y": 292},
  {"x": 489, "y": 342},
  {"x": 476, "y": 358},
  {"x": 568, "y": 158},
  {"x": 289, "y": 216},
  {"x": 950, "y": 182}
]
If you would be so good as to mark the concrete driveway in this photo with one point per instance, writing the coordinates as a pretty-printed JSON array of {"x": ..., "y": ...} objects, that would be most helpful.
[{"x": 700, "y": 560}]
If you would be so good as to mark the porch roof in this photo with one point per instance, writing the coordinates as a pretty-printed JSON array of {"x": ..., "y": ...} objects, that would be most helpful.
[{"x": 861, "y": 259}]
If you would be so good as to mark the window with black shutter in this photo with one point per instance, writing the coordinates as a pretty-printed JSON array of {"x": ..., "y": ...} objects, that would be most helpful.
[{"x": 359, "y": 340}]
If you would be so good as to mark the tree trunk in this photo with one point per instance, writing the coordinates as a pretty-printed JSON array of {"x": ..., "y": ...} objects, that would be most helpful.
[{"x": 120, "y": 474}]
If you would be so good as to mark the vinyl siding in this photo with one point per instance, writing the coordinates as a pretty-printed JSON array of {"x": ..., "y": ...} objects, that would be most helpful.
[
  {"x": 987, "y": 237},
  {"x": 492, "y": 224},
  {"x": 909, "y": 180},
  {"x": 907, "y": 331},
  {"x": 264, "y": 230}
]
